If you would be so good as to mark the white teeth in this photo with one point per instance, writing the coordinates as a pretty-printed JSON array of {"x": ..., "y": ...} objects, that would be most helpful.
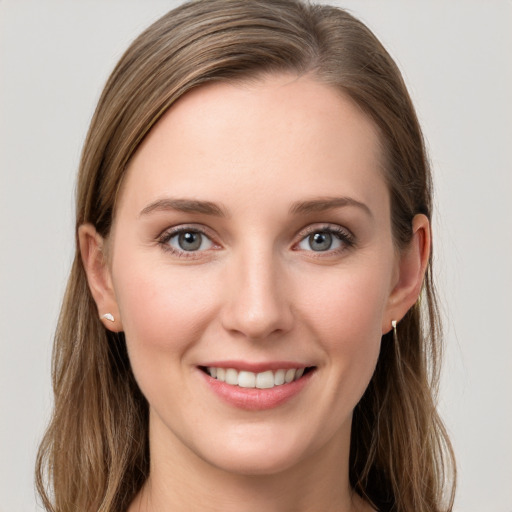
[
  {"x": 263, "y": 380},
  {"x": 279, "y": 377},
  {"x": 246, "y": 379},
  {"x": 289, "y": 375},
  {"x": 232, "y": 377}
]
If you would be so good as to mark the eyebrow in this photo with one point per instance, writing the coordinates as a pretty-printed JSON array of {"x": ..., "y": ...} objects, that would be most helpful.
[
  {"x": 185, "y": 205},
  {"x": 208, "y": 208},
  {"x": 327, "y": 203}
]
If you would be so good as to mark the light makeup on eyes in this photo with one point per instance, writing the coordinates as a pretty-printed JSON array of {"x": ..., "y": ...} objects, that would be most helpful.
[
  {"x": 326, "y": 239},
  {"x": 189, "y": 241}
]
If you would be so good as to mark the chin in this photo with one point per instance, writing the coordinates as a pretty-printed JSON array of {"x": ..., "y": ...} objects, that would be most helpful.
[
  {"x": 258, "y": 455},
  {"x": 255, "y": 464}
]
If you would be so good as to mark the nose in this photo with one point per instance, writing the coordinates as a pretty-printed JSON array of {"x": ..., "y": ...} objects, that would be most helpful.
[{"x": 258, "y": 298}]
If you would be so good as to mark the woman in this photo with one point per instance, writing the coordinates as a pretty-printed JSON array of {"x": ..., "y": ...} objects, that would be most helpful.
[{"x": 241, "y": 327}]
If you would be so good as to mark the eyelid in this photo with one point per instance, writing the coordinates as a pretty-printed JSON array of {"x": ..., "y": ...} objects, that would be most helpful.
[
  {"x": 168, "y": 233},
  {"x": 179, "y": 228},
  {"x": 343, "y": 234}
]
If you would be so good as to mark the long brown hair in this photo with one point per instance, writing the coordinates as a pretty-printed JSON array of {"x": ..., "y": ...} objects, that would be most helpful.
[{"x": 95, "y": 454}]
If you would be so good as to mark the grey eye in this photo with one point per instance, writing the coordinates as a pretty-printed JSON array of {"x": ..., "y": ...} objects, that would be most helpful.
[
  {"x": 320, "y": 241},
  {"x": 189, "y": 241}
]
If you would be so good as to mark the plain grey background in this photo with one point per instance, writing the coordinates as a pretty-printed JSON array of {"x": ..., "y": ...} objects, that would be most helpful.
[{"x": 456, "y": 58}]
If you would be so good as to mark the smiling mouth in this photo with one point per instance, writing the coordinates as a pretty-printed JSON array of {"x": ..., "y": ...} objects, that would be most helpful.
[{"x": 262, "y": 380}]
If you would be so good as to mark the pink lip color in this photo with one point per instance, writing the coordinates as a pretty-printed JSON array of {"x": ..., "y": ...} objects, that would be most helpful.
[
  {"x": 256, "y": 399},
  {"x": 255, "y": 367}
]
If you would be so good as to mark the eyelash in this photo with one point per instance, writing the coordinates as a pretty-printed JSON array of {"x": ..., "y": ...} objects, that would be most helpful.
[
  {"x": 342, "y": 234},
  {"x": 165, "y": 237}
]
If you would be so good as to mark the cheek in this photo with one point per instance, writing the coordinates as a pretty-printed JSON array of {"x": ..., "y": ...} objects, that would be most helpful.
[
  {"x": 348, "y": 303},
  {"x": 345, "y": 312},
  {"x": 161, "y": 308}
]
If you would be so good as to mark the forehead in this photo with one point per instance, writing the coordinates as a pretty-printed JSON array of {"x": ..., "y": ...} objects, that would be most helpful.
[{"x": 279, "y": 136}]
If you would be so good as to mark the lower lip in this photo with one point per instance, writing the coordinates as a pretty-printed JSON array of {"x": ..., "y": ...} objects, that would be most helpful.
[{"x": 252, "y": 399}]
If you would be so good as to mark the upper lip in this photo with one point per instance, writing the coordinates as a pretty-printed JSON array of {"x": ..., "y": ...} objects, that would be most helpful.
[{"x": 256, "y": 367}]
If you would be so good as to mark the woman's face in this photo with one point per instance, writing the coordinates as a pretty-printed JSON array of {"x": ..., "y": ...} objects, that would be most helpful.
[{"x": 252, "y": 241}]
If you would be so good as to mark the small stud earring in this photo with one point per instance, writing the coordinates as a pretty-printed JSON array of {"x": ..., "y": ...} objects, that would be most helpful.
[
  {"x": 108, "y": 316},
  {"x": 393, "y": 324}
]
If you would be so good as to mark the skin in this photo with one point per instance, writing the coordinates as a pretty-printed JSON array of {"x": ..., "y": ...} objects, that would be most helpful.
[{"x": 255, "y": 291}]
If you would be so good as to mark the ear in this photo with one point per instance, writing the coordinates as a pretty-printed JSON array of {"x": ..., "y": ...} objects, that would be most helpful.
[
  {"x": 412, "y": 264},
  {"x": 92, "y": 250}
]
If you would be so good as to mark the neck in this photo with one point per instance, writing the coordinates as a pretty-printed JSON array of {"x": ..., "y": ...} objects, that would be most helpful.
[{"x": 182, "y": 481}]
